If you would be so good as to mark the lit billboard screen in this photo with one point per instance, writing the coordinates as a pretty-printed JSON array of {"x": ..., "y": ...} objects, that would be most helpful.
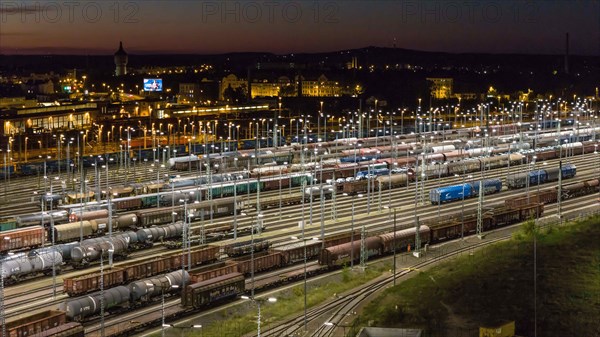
[{"x": 153, "y": 84}]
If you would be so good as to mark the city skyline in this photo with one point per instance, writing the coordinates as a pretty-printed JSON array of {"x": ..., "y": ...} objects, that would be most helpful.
[{"x": 214, "y": 27}]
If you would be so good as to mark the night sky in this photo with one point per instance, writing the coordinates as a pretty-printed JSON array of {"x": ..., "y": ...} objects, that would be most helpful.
[{"x": 207, "y": 27}]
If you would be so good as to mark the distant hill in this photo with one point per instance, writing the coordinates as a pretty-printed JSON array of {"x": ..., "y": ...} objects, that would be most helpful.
[{"x": 365, "y": 56}]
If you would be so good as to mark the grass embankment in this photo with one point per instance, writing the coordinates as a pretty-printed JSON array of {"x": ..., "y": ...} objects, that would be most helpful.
[
  {"x": 236, "y": 322},
  {"x": 497, "y": 283}
]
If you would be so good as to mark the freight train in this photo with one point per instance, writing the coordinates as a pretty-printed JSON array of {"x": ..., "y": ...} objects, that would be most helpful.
[
  {"x": 167, "y": 195},
  {"x": 46, "y": 323},
  {"x": 43, "y": 262},
  {"x": 550, "y": 195},
  {"x": 135, "y": 294},
  {"x": 464, "y": 191},
  {"x": 225, "y": 280},
  {"x": 93, "y": 223},
  {"x": 198, "y": 256},
  {"x": 135, "y": 194},
  {"x": 432, "y": 231},
  {"x": 532, "y": 178}
]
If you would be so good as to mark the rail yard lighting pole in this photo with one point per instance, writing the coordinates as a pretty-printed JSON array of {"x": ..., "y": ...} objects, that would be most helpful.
[
  {"x": 102, "y": 251},
  {"x": 53, "y": 242},
  {"x": 2, "y": 308},
  {"x": 252, "y": 229},
  {"x": 537, "y": 213},
  {"x": 305, "y": 284},
  {"x": 186, "y": 237},
  {"x": 258, "y": 302},
  {"x": 182, "y": 328},
  {"x": 336, "y": 325},
  {"x": 303, "y": 224},
  {"x": 598, "y": 173},
  {"x": 352, "y": 231},
  {"x": 26, "y": 138},
  {"x": 235, "y": 210},
  {"x": 280, "y": 177},
  {"x": 162, "y": 306},
  {"x": 6, "y": 173}
]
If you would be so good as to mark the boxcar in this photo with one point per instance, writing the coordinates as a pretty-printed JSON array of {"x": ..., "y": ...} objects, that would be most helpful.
[
  {"x": 157, "y": 216},
  {"x": 341, "y": 254},
  {"x": 403, "y": 238},
  {"x": 294, "y": 252},
  {"x": 204, "y": 293}
]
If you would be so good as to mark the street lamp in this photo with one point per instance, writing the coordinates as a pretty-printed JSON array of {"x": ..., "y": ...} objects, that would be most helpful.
[
  {"x": 2, "y": 312},
  {"x": 352, "y": 231},
  {"x": 102, "y": 251},
  {"x": 195, "y": 326},
  {"x": 252, "y": 229},
  {"x": 394, "y": 246},
  {"x": 162, "y": 306},
  {"x": 330, "y": 324},
  {"x": 26, "y": 138},
  {"x": 258, "y": 302}
]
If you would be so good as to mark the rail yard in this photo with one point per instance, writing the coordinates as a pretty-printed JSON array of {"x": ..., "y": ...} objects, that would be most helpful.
[{"x": 87, "y": 249}]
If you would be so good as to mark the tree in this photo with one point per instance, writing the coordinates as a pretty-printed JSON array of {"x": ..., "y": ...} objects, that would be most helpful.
[
  {"x": 287, "y": 91},
  {"x": 234, "y": 95}
]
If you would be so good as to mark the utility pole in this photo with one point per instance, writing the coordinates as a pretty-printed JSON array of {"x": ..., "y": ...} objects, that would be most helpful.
[
  {"x": 417, "y": 252},
  {"x": 422, "y": 188},
  {"x": 480, "y": 202},
  {"x": 559, "y": 196},
  {"x": 480, "y": 211},
  {"x": 363, "y": 250}
]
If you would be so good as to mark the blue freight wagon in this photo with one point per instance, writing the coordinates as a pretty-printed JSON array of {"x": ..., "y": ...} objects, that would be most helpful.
[
  {"x": 470, "y": 190},
  {"x": 375, "y": 172},
  {"x": 540, "y": 176},
  {"x": 52, "y": 166},
  {"x": 8, "y": 170},
  {"x": 490, "y": 186},
  {"x": 450, "y": 193}
]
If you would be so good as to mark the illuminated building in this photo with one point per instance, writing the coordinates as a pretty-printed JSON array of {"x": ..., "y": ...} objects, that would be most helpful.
[{"x": 441, "y": 88}]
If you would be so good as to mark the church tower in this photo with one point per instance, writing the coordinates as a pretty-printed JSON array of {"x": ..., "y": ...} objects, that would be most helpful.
[{"x": 120, "y": 61}]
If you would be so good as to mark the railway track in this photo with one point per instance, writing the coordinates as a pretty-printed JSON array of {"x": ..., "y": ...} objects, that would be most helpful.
[
  {"x": 347, "y": 303},
  {"x": 294, "y": 327},
  {"x": 172, "y": 304},
  {"x": 280, "y": 231}
]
